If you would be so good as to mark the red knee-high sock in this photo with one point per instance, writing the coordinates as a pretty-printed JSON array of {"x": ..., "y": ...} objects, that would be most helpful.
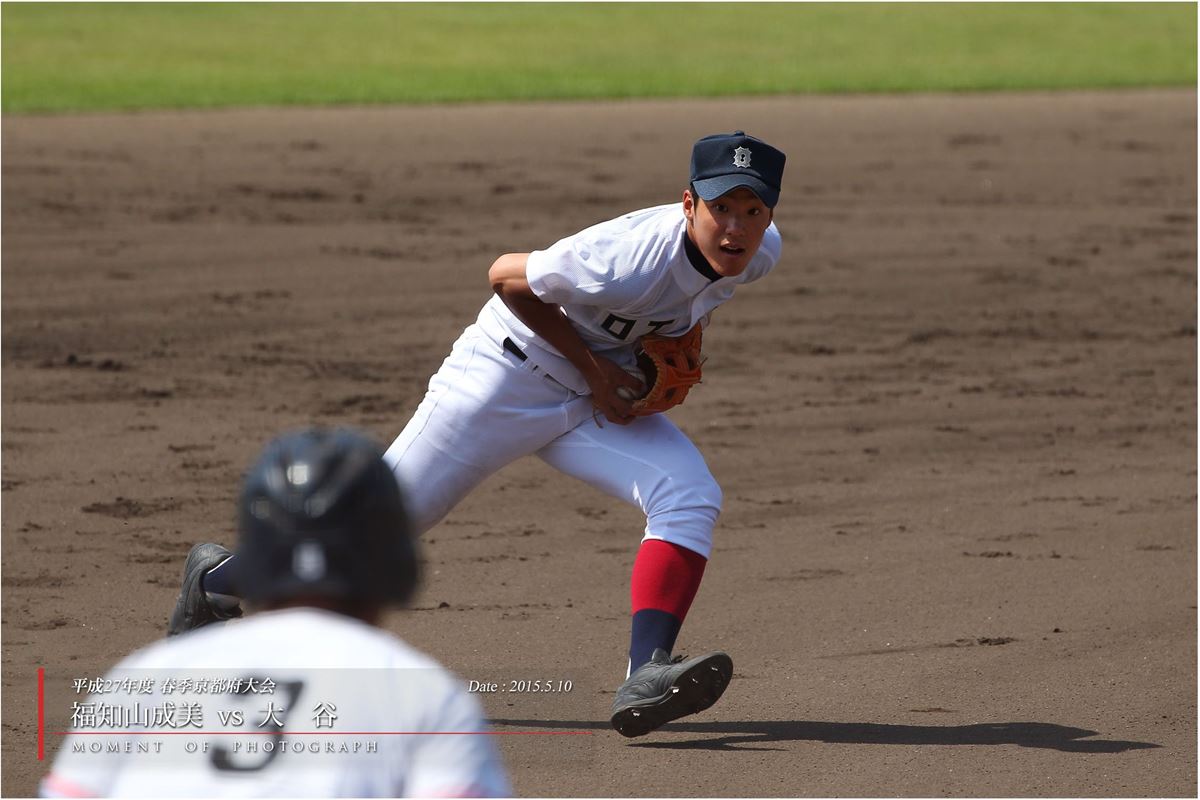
[{"x": 665, "y": 579}]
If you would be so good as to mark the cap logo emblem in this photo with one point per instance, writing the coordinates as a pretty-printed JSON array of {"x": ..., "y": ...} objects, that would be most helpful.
[{"x": 741, "y": 157}]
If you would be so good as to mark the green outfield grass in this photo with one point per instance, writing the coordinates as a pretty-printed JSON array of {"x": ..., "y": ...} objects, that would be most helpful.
[{"x": 84, "y": 56}]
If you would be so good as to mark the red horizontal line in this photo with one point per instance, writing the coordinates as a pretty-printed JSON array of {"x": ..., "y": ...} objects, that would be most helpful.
[{"x": 321, "y": 733}]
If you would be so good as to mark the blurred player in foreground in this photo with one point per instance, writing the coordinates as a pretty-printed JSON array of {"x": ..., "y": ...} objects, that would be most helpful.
[{"x": 325, "y": 547}]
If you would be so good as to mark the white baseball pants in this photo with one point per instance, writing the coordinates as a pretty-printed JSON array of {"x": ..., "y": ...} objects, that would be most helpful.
[{"x": 486, "y": 408}]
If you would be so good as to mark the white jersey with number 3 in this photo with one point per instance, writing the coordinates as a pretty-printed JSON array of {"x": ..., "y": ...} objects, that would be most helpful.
[{"x": 352, "y": 712}]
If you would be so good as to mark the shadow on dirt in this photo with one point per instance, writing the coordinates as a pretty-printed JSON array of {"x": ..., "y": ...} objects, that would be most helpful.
[{"x": 729, "y": 735}]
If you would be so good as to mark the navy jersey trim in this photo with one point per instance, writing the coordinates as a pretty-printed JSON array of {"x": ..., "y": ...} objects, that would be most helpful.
[{"x": 697, "y": 259}]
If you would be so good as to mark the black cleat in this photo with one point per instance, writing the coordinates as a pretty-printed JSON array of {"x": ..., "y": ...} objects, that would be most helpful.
[
  {"x": 666, "y": 688},
  {"x": 193, "y": 608}
]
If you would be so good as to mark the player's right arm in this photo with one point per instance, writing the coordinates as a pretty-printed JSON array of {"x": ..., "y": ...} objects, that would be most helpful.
[{"x": 509, "y": 280}]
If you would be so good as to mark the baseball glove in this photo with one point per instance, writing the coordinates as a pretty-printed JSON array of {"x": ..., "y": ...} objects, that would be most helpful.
[{"x": 671, "y": 366}]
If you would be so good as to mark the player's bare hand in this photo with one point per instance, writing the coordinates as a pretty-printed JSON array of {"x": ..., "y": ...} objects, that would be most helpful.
[{"x": 605, "y": 381}]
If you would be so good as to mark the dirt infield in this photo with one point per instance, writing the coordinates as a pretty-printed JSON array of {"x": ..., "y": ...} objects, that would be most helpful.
[{"x": 955, "y": 428}]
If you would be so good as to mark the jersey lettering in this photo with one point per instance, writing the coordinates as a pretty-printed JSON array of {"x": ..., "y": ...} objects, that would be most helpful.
[
  {"x": 626, "y": 325},
  {"x": 654, "y": 326},
  {"x": 621, "y": 327}
]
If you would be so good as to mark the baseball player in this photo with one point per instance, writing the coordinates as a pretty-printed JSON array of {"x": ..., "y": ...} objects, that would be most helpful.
[
  {"x": 573, "y": 359},
  {"x": 325, "y": 547}
]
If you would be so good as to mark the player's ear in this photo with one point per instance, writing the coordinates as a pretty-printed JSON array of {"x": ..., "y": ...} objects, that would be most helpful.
[{"x": 689, "y": 204}]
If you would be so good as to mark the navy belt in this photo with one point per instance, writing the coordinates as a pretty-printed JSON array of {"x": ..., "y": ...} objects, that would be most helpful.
[{"x": 511, "y": 347}]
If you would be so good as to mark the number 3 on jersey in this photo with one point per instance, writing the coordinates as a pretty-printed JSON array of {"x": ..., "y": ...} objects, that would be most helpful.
[{"x": 222, "y": 758}]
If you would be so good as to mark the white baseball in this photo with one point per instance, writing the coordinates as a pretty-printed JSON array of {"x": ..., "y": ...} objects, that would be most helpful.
[{"x": 625, "y": 393}]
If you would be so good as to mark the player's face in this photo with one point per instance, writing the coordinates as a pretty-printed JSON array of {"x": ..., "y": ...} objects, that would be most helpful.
[{"x": 728, "y": 230}]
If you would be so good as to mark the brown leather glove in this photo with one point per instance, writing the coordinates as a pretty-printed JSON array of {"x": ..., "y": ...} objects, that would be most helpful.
[{"x": 671, "y": 366}]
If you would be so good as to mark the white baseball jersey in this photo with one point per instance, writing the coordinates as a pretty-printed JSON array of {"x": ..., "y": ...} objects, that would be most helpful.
[
  {"x": 488, "y": 406},
  {"x": 351, "y": 712},
  {"x": 619, "y": 280}
]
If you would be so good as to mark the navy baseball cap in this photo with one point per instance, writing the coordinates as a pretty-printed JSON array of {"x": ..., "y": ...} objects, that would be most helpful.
[{"x": 724, "y": 161}]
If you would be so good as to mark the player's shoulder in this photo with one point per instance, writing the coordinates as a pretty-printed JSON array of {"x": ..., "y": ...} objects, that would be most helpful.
[
  {"x": 637, "y": 230},
  {"x": 772, "y": 242},
  {"x": 768, "y": 255},
  {"x": 641, "y": 242},
  {"x": 654, "y": 220},
  {"x": 643, "y": 218},
  {"x": 349, "y": 632},
  {"x": 620, "y": 258},
  {"x": 339, "y": 636},
  {"x": 297, "y": 637}
]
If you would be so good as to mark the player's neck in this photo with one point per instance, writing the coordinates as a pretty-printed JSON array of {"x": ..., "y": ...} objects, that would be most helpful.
[
  {"x": 369, "y": 613},
  {"x": 696, "y": 258}
]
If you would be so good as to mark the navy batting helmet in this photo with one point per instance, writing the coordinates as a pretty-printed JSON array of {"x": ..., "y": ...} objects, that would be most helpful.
[{"x": 321, "y": 515}]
